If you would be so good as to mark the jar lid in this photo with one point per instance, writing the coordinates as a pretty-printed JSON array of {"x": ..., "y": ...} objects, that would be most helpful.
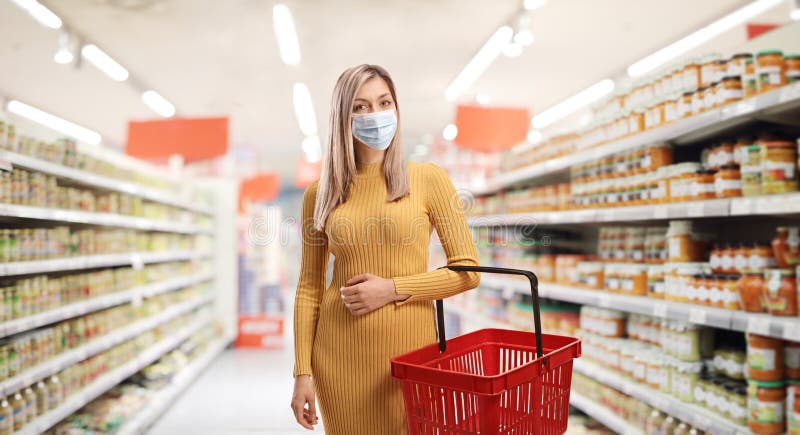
[
  {"x": 713, "y": 84},
  {"x": 730, "y": 167},
  {"x": 778, "y": 144},
  {"x": 792, "y": 56},
  {"x": 748, "y": 60},
  {"x": 740, "y": 55},
  {"x": 688, "y": 93},
  {"x": 731, "y": 78},
  {"x": 769, "y": 52},
  {"x": 705, "y": 172},
  {"x": 766, "y": 384}
]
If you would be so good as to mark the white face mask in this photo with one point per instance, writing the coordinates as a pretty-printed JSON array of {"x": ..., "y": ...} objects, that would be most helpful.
[{"x": 375, "y": 130}]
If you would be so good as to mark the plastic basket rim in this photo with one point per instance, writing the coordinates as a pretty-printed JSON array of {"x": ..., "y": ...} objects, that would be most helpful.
[{"x": 575, "y": 341}]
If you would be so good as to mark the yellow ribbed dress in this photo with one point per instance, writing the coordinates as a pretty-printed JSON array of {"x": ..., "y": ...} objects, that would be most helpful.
[{"x": 348, "y": 356}]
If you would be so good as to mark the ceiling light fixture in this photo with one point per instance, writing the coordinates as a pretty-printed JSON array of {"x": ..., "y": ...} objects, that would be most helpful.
[
  {"x": 524, "y": 37},
  {"x": 450, "y": 132},
  {"x": 304, "y": 109},
  {"x": 40, "y": 13},
  {"x": 530, "y": 5},
  {"x": 104, "y": 62},
  {"x": 699, "y": 37},
  {"x": 512, "y": 49},
  {"x": 64, "y": 54},
  {"x": 312, "y": 148},
  {"x": 83, "y": 134},
  {"x": 286, "y": 33},
  {"x": 573, "y": 103},
  {"x": 795, "y": 14},
  {"x": 158, "y": 104},
  {"x": 478, "y": 64},
  {"x": 534, "y": 136}
]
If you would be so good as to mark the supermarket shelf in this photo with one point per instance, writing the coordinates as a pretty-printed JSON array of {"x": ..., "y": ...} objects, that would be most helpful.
[
  {"x": 602, "y": 414},
  {"x": 162, "y": 400},
  {"x": 111, "y": 379},
  {"x": 106, "y": 219},
  {"x": 98, "y": 345},
  {"x": 98, "y": 181},
  {"x": 99, "y": 303},
  {"x": 691, "y": 414},
  {"x": 787, "y": 328},
  {"x": 685, "y": 130},
  {"x": 763, "y": 205},
  {"x": 96, "y": 261}
]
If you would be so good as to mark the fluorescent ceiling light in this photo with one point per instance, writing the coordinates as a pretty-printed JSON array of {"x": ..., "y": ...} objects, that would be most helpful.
[
  {"x": 699, "y": 37},
  {"x": 482, "y": 99},
  {"x": 534, "y": 136},
  {"x": 104, "y": 62},
  {"x": 158, "y": 104},
  {"x": 312, "y": 148},
  {"x": 573, "y": 103},
  {"x": 83, "y": 134},
  {"x": 795, "y": 14},
  {"x": 485, "y": 56},
  {"x": 450, "y": 132},
  {"x": 533, "y": 4},
  {"x": 63, "y": 56},
  {"x": 512, "y": 49},
  {"x": 524, "y": 37},
  {"x": 304, "y": 110},
  {"x": 40, "y": 13},
  {"x": 285, "y": 32}
]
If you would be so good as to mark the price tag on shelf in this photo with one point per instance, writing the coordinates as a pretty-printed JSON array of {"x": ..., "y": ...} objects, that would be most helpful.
[
  {"x": 661, "y": 212},
  {"x": 136, "y": 299},
  {"x": 5, "y": 165},
  {"x": 604, "y": 300},
  {"x": 696, "y": 209},
  {"x": 136, "y": 262},
  {"x": 758, "y": 325},
  {"x": 790, "y": 92},
  {"x": 697, "y": 316},
  {"x": 791, "y": 331},
  {"x": 660, "y": 310}
]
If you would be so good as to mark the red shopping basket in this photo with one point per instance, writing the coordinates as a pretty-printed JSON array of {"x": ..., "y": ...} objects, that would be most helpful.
[{"x": 491, "y": 381}]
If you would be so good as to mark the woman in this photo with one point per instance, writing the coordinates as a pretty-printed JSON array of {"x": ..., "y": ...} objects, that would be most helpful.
[{"x": 375, "y": 214}]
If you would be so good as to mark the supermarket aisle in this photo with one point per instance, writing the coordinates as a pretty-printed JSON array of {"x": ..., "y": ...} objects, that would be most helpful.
[{"x": 243, "y": 392}]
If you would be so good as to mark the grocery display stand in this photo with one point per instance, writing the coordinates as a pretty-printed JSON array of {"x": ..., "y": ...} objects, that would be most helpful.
[{"x": 220, "y": 277}]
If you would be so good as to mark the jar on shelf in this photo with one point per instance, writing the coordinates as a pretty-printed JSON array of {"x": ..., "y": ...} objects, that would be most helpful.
[
  {"x": 633, "y": 279},
  {"x": 766, "y": 407},
  {"x": 611, "y": 276},
  {"x": 751, "y": 171},
  {"x": 764, "y": 358},
  {"x": 715, "y": 258},
  {"x": 708, "y": 69},
  {"x": 655, "y": 281},
  {"x": 729, "y": 90},
  {"x": 736, "y": 64},
  {"x": 685, "y": 379},
  {"x": 698, "y": 100},
  {"x": 728, "y": 182},
  {"x": 590, "y": 275},
  {"x": 749, "y": 78},
  {"x": 780, "y": 292},
  {"x": 750, "y": 287},
  {"x": 791, "y": 358},
  {"x": 760, "y": 258},
  {"x": 671, "y": 103},
  {"x": 727, "y": 255},
  {"x": 685, "y": 244},
  {"x": 778, "y": 167},
  {"x": 740, "y": 149},
  {"x": 770, "y": 69},
  {"x": 792, "y": 68},
  {"x": 685, "y": 104},
  {"x": 702, "y": 185},
  {"x": 710, "y": 97},
  {"x": 786, "y": 247},
  {"x": 793, "y": 406}
]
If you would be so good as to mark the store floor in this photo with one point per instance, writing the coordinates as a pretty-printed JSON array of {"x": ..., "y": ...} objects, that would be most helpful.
[{"x": 243, "y": 392}]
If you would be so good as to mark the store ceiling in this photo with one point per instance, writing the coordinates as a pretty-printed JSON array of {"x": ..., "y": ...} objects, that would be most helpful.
[{"x": 220, "y": 57}]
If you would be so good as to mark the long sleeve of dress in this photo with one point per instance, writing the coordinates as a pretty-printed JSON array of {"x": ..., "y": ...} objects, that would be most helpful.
[
  {"x": 310, "y": 284},
  {"x": 447, "y": 216}
]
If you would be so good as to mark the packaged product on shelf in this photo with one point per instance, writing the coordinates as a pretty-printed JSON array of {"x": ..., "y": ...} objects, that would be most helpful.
[
  {"x": 766, "y": 405},
  {"x": 779, "y": 292},
  {"x": 791, "y": 356},
  {"x": 751, "y": 291},
  {"x": 770, "y": 70},
  {"x": 764, "y": 358},
  {"x": 778, "y": 167},
  {"x": 685, "y": 243}
]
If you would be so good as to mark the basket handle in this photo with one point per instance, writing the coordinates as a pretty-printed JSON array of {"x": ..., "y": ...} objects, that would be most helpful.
[{"x": 534, "y": 281}]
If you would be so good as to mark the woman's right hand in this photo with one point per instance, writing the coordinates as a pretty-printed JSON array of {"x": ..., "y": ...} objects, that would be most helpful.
[{"x": 304, "y": 394}]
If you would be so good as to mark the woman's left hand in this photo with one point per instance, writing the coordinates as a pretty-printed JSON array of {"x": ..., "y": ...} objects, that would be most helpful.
[{"x": 366, "y": 293}]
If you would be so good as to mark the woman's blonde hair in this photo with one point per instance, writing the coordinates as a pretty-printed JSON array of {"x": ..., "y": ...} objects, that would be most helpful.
[{"x": 339, "y": 164}]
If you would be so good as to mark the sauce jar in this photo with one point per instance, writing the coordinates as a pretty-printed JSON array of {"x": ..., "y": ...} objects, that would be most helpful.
[
  {"x": 741, "y": 258},
  {"x": 778, "y": 167},
  {"x": 792, "y": 68},
  {"x": 749, "y": 79},
  {"x": 780, "y": 292},
  {"x": 751, "y": 170},
  {"x": 736, "y": 64},
  {"x": 770, "y": 70},
  {"x": 684, "y": 244},
  {"x": 766, "y": 402},
  {"x": 760, "y": 258},
  {"x": 685, "y": 104},
  {"x": 750, "y": 288},
  {"x": 699, "y": 100},
  {"x": 726, "y": 259},
  {"x": 730, "y": 292},
  {"x": 691, "y": 74},
  {"x": 702, "y": 185},
  {"x": 791, "y": 359},
  {"x": 793, "y": 407},
  {"x": 785, "y": 246},
  {"x": 715, "y": 259},
  {"x": 655, "y": 281},
  {"x": 728, "y": 182},
  {"x": 764, "y": 358}
]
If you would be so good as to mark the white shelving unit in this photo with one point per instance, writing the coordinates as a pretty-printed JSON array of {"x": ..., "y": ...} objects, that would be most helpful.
[
  {"x": 23, "y": 324},
  {"x": 161, "y": 401},
  {"x": 694, "y": 128},
  {"x": 114, "y": 377},
  {"x": 691, "y": 414},
  {"x": 763, "y": 324},
  {"x": 98, "y": 345},
  {"x": 104, "y": 219},
  {"x": 96, "y": 261},
  {"x": 762, "y": 205},
  {"x": 602, "y": 414},
  {"x": 89, "y": 179}
]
